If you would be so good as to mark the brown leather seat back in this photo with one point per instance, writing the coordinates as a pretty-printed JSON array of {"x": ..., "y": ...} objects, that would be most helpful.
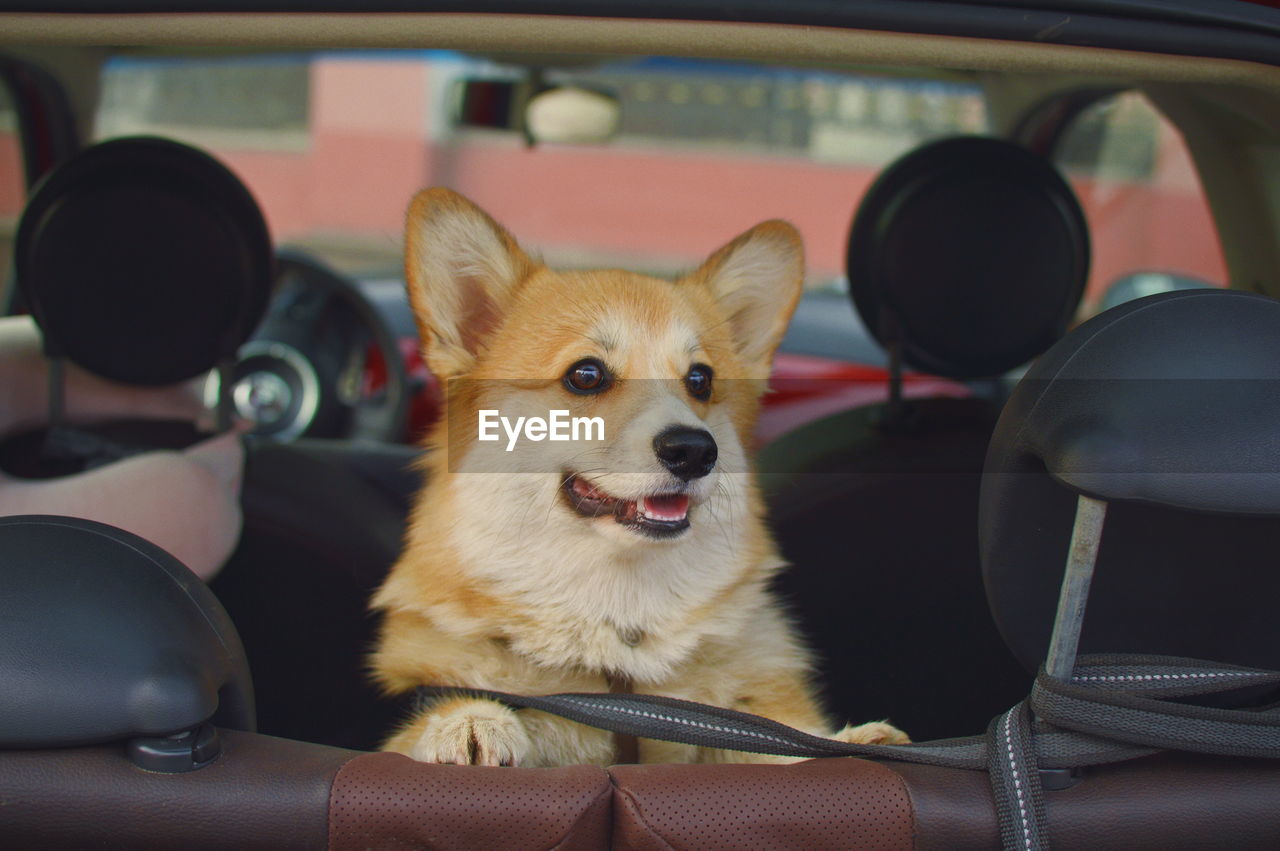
[
  {"x": 387, "y": 800},
  {"x": 264, "y": 792},
  {"x": 261, "y": 792},
  {"x": 1164, "y": 801}
]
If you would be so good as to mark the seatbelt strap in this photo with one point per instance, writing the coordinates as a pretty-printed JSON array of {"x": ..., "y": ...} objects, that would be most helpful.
[
  {"x": 702, "y": 725},
  {"x": 1124, "y": 699},
  {"x": 1015, "y": 781},
  {"x": 1114, "y": 708}
]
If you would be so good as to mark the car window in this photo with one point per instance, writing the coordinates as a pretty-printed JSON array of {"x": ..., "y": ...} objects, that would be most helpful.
[
  {"x": 1149, "y": 220},
  {"x": 333, "y": 145},
  {"x": 13, "y": 191}
]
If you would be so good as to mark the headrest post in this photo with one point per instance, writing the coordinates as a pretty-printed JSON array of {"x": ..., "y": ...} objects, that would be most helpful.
[
  {"x": 894, "y": 412},
  {"x": 225, "y": 405},
  {"x": 57, "y": 392},
  {"x": 1086, "y": 534},
  {"x": 891, "y": 331}
]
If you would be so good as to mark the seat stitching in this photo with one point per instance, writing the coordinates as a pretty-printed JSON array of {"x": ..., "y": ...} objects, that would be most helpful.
[
  {"x": 635, "y": 809},
  {"x": 608, "y": 790}
]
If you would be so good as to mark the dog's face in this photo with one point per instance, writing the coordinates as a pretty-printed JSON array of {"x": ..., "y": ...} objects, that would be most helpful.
[{"x": 657, "y": 382}]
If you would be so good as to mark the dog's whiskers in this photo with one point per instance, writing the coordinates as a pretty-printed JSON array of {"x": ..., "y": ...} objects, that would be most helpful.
[
  {"x": 551, "y": 503},
  {"x": 726, "y": 533}
]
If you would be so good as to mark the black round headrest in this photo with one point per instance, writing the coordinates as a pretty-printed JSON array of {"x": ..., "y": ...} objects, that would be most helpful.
[
  {"x": 104, "y": 636},
  {"x": 144, "y": 261},
  {"x": 1167, "y": 408},
  {"x": 972, "y": 253}
]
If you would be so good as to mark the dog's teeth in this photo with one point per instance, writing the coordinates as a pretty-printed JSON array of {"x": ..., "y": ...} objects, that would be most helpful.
[{"x": 669, "y": 508}]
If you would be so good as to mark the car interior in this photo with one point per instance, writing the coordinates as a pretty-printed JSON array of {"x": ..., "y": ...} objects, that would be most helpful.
[{"x": 928, "y": 528}]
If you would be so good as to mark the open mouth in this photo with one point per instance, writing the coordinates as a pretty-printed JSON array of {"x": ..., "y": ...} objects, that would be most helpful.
[{"x": 661, "y": 515}]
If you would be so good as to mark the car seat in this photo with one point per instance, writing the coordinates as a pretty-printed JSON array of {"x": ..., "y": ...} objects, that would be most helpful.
[
  {"x": 147, "y": 262},
  {"x": 109, "y": 637},
  {"x": 966, "y": 258},
  {"x": 1130, "y": 513},
  {"x": 127, "y": 715},
  {"x": 1169, "y": 414}
]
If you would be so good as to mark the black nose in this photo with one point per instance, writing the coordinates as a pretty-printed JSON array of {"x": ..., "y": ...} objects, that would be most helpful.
[{"x": 689, "y": 453}]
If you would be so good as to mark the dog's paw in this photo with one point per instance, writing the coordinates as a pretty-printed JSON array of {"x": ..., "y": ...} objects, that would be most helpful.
[
  {"x": 873, "y": 733},
  {"x": 473, "y": 732}
]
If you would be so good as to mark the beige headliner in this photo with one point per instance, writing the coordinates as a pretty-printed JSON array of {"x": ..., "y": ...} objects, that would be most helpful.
[{"x": 576, "y": 35}]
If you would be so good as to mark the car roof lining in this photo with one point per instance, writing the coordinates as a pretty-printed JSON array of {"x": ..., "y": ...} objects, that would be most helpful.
[{"x": 575, "y": 37}]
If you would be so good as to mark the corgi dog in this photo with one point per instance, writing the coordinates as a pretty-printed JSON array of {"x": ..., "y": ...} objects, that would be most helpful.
[{"x": 639, "y": 557}]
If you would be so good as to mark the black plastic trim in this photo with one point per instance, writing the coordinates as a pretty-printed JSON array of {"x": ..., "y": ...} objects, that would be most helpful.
[
  {"x": 1042, "y": 127},
  {"x": 189, "y": 750},
  {"x": 45, "y": 124}
]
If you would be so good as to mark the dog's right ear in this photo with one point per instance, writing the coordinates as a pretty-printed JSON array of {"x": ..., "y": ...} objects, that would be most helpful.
[{"x": 460, "y": 270}]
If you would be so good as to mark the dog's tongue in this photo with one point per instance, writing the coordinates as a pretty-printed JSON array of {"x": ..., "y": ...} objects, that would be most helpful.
[{"x": 670, "y": 507}]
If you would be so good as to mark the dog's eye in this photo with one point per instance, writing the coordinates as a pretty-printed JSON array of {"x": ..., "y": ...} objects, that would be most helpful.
[
  {"x": 698, "y": 381},
  {"x": 587, "y": 376}
]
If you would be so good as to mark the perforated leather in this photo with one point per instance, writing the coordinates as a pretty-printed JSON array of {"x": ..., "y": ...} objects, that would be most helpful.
[
  {"x": 389, "y": 801},
  {"x": 830, "y": 803}
]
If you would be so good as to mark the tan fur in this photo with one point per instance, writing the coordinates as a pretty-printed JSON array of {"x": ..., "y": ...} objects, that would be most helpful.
[{"x": 502, "y": 585}]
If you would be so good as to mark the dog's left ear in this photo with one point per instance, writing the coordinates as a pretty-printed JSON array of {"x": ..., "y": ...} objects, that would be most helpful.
[{"x": 757, "y": 278}]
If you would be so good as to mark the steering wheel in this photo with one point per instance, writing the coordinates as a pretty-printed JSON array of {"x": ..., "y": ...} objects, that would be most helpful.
[{"x": 302, "y": 372}]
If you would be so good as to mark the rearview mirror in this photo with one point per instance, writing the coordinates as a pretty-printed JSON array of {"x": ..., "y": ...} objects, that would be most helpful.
[
  {"x": 572, "y": 115},
  {"x": 557, "y": 114}
]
